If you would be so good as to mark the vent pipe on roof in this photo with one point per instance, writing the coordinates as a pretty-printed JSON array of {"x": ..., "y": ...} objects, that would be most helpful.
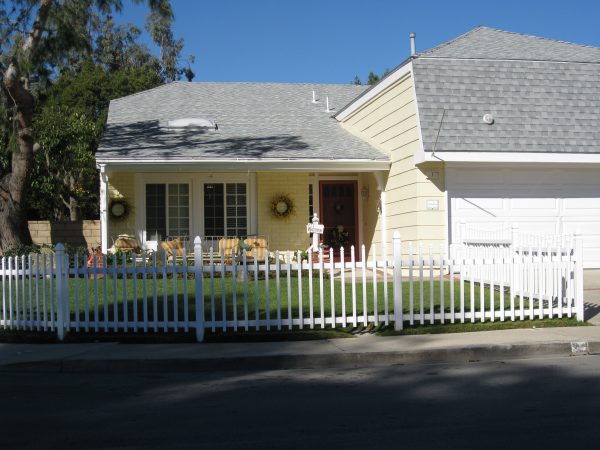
[
  {"x": 413, "y": 47},
  {"x": 327, "y": 100},
  {"x": 314, "y": 100}
]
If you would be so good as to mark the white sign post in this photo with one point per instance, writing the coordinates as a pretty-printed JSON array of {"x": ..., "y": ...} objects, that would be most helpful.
[{"x": 316, "y": 229}]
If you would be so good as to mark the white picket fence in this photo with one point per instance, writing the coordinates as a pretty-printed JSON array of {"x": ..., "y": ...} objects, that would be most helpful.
[
  {"x": 208, "y": 293},
  {"x": 507, "y": 242}
]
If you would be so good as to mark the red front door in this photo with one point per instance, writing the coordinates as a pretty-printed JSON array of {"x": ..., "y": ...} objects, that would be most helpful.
[{"x": 339, "y": 214}]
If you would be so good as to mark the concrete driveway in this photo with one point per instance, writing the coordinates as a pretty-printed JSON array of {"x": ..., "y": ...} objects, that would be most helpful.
[{"x": 591, "y": 294}]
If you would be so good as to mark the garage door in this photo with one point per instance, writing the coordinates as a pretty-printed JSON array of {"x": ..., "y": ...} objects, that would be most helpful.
[{"x": 540, "y": 201}]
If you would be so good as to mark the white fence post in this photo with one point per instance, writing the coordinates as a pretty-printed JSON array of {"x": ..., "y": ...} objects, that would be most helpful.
[
  {"x": 578, "y": 275},
  {"x": 62, "y": 301},
  {"x": 398, "y": 313},
  {"x": 199, "y": 293}
]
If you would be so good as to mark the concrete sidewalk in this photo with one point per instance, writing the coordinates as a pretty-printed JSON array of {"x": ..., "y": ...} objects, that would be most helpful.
[{"x": 364, "y": 350}]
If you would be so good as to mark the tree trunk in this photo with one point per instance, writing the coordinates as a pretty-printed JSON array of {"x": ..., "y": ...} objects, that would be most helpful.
[
  {"x": 14, "y": 186},
  {"x": 73, "y": 209}
]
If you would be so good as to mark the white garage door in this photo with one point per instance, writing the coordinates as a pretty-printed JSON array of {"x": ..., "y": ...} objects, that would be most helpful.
[{"x": 540, "y": 201}]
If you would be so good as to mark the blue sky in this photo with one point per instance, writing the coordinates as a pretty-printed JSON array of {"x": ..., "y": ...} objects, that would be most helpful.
[{"x": 331, "y": 41}]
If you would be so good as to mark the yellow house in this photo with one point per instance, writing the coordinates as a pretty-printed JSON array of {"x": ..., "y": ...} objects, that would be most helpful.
[
  {"x": 489, "y": 129},
  {"x": 237, "y": 159}
]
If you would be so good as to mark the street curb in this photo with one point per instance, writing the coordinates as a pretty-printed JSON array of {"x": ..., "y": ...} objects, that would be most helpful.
[{"x": 303, "y": 361}]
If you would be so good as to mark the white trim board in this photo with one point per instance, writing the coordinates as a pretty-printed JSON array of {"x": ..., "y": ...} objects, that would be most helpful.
[
  {"x": 376, "y": 90},
  {"x": 508, "y": 157},
  {"x": 160, "y": 165}
]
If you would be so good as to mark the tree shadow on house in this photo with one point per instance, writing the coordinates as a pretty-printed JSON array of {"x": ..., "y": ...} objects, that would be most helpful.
[{"x": 144, "y": 138}]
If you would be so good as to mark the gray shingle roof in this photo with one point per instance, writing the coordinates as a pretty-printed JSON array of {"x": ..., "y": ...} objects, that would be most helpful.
[
  {"x": 255, "y": 121},
  {"x": 489, "y": 43},
  {"x": 544, "y": 95}
]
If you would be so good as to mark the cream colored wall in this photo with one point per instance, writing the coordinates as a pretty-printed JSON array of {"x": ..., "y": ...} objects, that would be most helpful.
[
  {"x": 121, "y": 185},
  {"x": 287, "y": 234},
  {"x": 389, "y": 122}
]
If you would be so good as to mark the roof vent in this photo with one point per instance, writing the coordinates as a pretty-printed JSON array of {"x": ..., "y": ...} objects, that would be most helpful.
[
  {"x": 413, "y": 46},
  {"x": 488, "y": 118},
  {"x": 193, "y": 122}
]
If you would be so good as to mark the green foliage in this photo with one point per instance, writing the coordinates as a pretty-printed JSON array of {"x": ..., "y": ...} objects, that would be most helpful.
[
  {"x": 373, "y": 78},
  {"x": 82, "y": 60},
  {"x": 68, "y": 128},
  {"x": 64, "y": 172}
]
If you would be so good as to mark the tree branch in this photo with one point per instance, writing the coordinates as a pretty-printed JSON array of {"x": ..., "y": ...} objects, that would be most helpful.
[{"x": 38, "y": 27}]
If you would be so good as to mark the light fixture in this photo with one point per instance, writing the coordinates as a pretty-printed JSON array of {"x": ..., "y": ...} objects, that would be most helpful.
[{"x": 364, "y": 192}]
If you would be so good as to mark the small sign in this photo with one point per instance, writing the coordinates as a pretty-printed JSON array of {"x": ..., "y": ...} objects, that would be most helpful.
[
  {"x": 433, "y": 205},
  {"x": 312, "y": 228}
]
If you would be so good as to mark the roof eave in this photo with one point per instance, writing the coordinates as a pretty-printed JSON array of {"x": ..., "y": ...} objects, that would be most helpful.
[{"x": 195, "y": 165}]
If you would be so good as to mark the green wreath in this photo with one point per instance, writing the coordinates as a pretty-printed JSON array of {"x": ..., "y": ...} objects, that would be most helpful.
[
  {"x": 282, "y": 206},
  {"x": 118, "y": 209}
]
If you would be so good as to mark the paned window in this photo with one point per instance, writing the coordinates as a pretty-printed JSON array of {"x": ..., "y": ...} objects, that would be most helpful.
[
  {"x": 167, "y": 211},
  {"x": 225, "y": 209}
]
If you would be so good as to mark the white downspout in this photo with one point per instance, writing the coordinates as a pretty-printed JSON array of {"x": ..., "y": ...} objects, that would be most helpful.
[
  {"x": 103, "y": 208},
  {"x": 380, "y": 178}
]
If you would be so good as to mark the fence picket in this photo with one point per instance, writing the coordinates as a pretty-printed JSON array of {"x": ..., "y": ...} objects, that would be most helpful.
[
  {"x": 165, "y": 285},
  {"x": 144, "y": 291},
  {"x": 186, "y": 304},
  {"x": 51, "y": 286},
  {"x": 289, "y": 288},
  {"x": 411, "y": 289},
  {"x": 30, "y": 292},
  {"x": 343, "y": 284},
  {"x": 300, "y": 299},
  {"x": 245, "y": 265},
  {"x": 421, "y": 293},
  {"x": 310, "y": 289},
  {"x": 223, "y": 296},
  {"x": 386, "y": 307},
  {"x": 211, "y": 266},
  {"x": 175, "y": 296},
  {"x": 267, "y": 296},
  {"x": 17, "y": 292},
  {"x": 431, "y": 289},
  {"x": 353, "y": 280},
  {"x": 452, "y": 301},
  {"x": 155, "y": 256},
  {"x": 364, "y": 286},
  {"x": 234, "y": 293},
  {"x": 442, "y": 267},
  {"x": 278, "y": 288},
  {"x": 331, "y": 285},
  {"x": 95, "y": 267},
  {"x": 375, "y": 305},
  {"x": 256, "y": 289},
  {"x": 321, "y": 291}
]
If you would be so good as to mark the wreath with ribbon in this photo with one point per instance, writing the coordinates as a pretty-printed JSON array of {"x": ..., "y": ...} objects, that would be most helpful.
[{"x": 282, "y": 206}]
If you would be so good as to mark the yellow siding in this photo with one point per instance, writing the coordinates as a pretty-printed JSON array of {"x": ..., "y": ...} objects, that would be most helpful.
[
  {"x": 389, "y": 122},
  {"x": 289, "y": 234},
  {"x": 121, "y": 185}
]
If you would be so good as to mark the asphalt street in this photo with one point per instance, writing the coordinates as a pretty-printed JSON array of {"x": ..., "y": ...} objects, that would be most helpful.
[{"x": 536, "y": 403}]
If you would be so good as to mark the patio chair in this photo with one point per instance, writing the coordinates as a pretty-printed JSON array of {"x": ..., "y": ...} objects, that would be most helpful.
[
  {"x": 258, "y": 248},
  {"x": 172, "y": 248},
  {"x": 229, "y": 247}
]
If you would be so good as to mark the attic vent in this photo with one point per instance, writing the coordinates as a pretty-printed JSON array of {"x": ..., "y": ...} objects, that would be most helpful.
[
  {"x": 193, "y": 122},
  {"x": 488, "y": 118}
]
